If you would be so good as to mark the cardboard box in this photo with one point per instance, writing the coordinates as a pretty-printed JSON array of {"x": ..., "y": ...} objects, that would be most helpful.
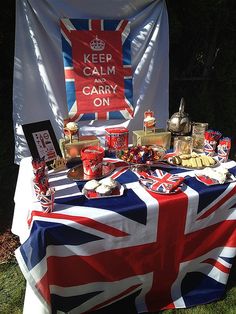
[
  {"x": 160, "y": 137},
  {"x": 73, "y": 149}
]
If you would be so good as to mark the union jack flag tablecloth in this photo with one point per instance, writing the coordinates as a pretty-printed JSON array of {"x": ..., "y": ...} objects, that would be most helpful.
[
  {"x": 97, "y": 63},
  {"x": 139, "y": 252}
]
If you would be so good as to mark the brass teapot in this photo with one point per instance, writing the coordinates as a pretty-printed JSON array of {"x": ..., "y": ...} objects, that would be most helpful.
[{"x": 179, "y": 123}]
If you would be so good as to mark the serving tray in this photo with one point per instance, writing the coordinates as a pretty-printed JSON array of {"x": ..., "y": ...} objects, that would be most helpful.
[{"x": 77, "y": 173}]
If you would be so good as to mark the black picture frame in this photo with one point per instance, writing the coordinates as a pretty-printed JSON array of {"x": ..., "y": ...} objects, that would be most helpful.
[{"x": 42, "y": 140}]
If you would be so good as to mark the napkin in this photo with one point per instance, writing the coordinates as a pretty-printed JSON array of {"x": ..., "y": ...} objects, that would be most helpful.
[{"x": 161, "y": 181}]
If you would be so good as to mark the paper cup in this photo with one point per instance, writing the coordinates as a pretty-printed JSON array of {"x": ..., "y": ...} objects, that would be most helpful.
[
  {"x": 223, "y": 149},
  {"x": 36, "y": 189},
  {"x": 47, "y": 200},
  {"x": 92, "y": 157},
  {"x": 209, "y": 147}
]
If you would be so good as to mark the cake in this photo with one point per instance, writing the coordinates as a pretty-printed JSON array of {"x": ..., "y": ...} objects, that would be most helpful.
[
  {"x": 220, "y": 174},
  {"x": 111, "y": 183},
  {"x": 91, "y": 185},
  {"x": 103, "y": 190}
]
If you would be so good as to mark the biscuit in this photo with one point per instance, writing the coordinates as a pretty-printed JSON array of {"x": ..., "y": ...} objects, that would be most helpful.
[
  {"x": 185, "y": 156},
  {"x": 205, "y": 161},
  {"x": 193, "y": 162},
  {"x": 176, "y": 160},
  {"x": 199, "y": 162}
]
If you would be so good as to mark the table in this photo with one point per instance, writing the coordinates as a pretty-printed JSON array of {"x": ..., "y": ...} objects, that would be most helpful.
[{"x": 142, "y": 251}]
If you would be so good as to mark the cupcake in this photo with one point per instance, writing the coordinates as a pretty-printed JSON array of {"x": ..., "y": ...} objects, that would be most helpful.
[
  {"x": 91, "y": 185},
  {"x": 103, "y": 190},
  {"x": 111, "y": 183},
  {"x": 72, "y": 126}
]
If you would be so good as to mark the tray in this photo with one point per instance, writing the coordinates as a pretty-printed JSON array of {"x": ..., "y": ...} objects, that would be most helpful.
[
  {"x": 170, "y": 161},
  {"x": 118, "y": 191},
  {"x": 77, "y": 173}
]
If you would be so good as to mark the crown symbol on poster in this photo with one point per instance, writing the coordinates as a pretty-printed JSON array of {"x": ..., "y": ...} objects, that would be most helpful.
[{"x": 97, "y": 44}]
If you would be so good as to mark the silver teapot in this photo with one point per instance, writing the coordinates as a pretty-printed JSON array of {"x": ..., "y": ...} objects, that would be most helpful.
[{"x": 179, "y": 123}]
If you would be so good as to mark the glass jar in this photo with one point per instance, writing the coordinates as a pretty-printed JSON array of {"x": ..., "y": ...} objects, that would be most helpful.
[
  {"x": 183, "y": 145},
  {"x": 198, "y": 131}
]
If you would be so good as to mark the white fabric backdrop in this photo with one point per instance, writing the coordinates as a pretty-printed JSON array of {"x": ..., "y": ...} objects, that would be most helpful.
[{"x": 39, "y": 88}]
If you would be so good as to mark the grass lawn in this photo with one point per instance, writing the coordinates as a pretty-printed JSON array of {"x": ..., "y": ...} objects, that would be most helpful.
[{"x": 12, "y": 289}]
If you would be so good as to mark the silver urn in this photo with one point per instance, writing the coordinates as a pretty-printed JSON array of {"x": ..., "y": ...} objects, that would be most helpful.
[{"x": 179, "y": 123}]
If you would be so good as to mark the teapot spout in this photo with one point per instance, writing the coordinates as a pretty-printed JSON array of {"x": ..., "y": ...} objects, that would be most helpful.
[{"x": 181, "y": 106}]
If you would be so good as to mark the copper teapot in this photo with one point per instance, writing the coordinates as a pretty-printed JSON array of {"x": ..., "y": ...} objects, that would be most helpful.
[{"x": 179, "y": 123}]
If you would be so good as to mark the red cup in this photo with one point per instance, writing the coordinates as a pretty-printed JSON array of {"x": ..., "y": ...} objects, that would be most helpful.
[{"x": 92, "y": 157}]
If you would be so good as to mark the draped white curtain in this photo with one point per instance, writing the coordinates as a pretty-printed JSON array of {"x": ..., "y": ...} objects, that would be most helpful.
[{"x": 39, "y": 86}]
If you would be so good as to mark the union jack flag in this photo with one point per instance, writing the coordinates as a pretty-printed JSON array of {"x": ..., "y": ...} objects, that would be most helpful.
[
  {"x": 115, "y": 82},
  {"x": 141, "y": 251}
]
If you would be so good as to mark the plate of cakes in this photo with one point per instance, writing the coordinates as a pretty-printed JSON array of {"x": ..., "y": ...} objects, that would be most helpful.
[
  {"x": 106, "y": 187},
  {"x": 193, "y": 161}
]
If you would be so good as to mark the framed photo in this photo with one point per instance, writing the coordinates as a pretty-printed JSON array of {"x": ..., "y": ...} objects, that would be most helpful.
[{"x": 42, "y": 140}]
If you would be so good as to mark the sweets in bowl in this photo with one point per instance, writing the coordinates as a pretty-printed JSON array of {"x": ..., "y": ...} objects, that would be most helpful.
[{"x": 148, "y": 154}]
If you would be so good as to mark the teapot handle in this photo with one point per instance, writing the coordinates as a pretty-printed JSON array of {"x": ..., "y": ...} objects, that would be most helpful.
[{"x": 182, "y": 105}]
